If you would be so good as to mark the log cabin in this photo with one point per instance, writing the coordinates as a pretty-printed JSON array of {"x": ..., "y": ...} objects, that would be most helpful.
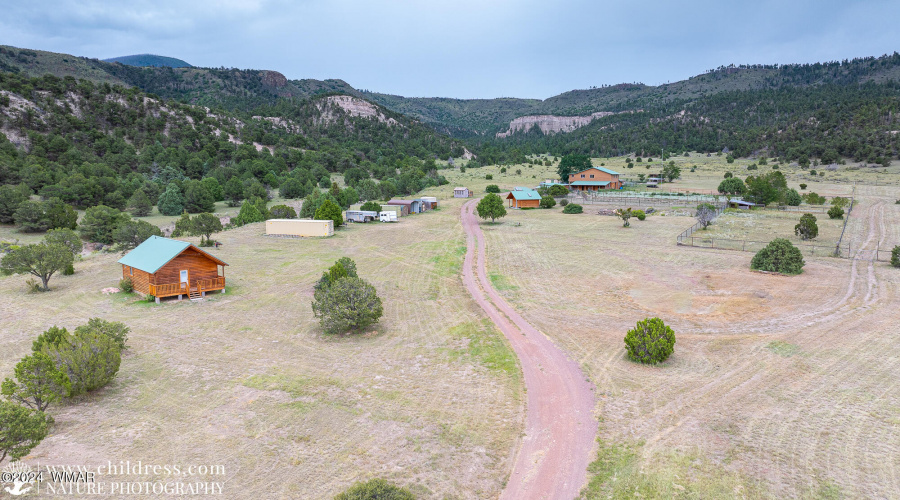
[
  {"x": 522, "y": 197},
  {"x": 163, "y": 267}
]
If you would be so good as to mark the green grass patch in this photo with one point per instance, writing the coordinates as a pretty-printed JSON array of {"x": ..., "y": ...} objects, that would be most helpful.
[
  {"x": 449, "y": 262},
  {"x": 486, "y": 345},
  {"x": 296, "y": 386},
  {"x": 501, "y": 283},
  {"x": 782, "y": 348},
  {"x": 620, "y": 471}
]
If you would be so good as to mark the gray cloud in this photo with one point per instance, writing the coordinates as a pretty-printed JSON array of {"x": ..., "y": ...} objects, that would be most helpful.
[{"x": 463, "y": 48}]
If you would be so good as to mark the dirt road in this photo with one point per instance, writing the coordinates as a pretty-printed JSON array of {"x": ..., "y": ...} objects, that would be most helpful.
[{"x": 560, "y": 428}]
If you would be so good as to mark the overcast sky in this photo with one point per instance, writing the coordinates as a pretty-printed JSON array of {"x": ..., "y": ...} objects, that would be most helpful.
[{"x": 463, "y": 48}]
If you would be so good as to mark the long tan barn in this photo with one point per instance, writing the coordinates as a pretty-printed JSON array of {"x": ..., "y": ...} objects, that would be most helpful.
[{"x": 299, "y": 227}]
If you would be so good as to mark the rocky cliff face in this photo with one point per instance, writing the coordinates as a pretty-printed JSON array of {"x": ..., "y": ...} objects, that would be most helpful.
[
  {"x": 353, "y": 106},
  {"x": 274, "y": 79},
  {"x": 551, "y": 124}
]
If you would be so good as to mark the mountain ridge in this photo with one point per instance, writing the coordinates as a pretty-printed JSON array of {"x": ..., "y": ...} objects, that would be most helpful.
[{"x": 152, "y": 60}]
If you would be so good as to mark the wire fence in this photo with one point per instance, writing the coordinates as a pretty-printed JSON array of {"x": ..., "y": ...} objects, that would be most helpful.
[
  {"x": 688, "y": 238},
  {"x": 755, "y": 246},
  {"x": 637, "y": 200}
]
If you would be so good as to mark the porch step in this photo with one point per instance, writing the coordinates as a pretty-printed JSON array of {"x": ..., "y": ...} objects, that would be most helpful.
[{"x": 195, "y": 296}]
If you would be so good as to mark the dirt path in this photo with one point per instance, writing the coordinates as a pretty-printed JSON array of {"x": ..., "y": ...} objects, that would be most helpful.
[{"x": 560, "y": 428}]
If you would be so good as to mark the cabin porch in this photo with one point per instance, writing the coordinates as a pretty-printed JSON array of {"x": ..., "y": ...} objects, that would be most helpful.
[{"x": 194, "y": 290}]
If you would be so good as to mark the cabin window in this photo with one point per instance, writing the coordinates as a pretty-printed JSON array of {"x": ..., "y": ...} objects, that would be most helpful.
[
  {"x": 592, "y": 176},
  {"x": 131, "y": 271},
  {"x": 582, "y": 176}
]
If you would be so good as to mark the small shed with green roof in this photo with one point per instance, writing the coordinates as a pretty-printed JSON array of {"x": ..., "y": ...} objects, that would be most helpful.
[
  {"x": 163, "y": 267},
  {"x": 522, "y": 197}
]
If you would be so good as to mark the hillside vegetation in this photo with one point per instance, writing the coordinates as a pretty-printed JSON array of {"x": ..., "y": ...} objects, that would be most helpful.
[{"x": 91, "y": 144}]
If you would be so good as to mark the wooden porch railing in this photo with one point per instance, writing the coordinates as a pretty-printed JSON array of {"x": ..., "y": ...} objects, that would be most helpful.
[{"x": 169, "y": 289}]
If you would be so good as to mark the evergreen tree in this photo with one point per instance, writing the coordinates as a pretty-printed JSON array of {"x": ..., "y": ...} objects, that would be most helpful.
[
  {"x": 330, "y": 211},
  {"x": 139, "y": 204},
  {"x": 171, "y": 202}
]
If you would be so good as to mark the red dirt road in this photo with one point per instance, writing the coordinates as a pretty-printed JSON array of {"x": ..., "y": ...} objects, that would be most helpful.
[{"x": 560, "y": 429}]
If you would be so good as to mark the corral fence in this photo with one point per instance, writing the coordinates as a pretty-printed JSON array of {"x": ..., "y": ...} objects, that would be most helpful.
[
  {"x": 882, "y": 255},
  {"x": 689, "y": 238},
  {"x": 755, "y": 246},
  {"x": 636, "y": 200}
]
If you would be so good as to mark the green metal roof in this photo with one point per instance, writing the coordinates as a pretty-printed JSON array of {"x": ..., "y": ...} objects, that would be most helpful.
[
  {"x": 525, "y": 194},
  {"x": 156, "y": 252},
  {"x": 590, "y": 183}
]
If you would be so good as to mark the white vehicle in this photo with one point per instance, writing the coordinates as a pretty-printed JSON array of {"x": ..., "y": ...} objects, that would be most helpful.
[{"x": 387, "y": 216}]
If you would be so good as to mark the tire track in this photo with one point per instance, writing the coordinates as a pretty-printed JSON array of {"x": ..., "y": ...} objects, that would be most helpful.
[{"x": 560, "y": 427}]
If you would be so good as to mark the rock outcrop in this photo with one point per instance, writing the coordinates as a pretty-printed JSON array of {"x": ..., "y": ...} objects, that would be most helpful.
[
  {"x": 274, "y": 79},
  {"x": 552, "y": 124},
  {"x": 354, "y": 107}
]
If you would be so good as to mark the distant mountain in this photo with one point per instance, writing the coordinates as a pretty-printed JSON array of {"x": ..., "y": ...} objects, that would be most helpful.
[{"x": 151, "y": 60}]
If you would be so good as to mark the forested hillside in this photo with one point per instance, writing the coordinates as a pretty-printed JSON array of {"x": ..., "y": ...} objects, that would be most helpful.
[
  {"x": 826, "y": 122},
  {"x": 89, "y": 144}
]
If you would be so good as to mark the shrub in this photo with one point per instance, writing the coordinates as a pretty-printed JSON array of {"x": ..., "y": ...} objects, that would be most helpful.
[
  {"x": 836, "y": 212},
  {"x": 815, "y": 199},
  {"x": 282, "y": 212},
  {"x": 728, "y": 175},
  {"x": 650, "y": 341},
  {"x": 547, "y": 202},
  {"x": 370, "y": 206},
  {"x": 503, "y": 170},
  {"x": 573, "y": 208},
  {"x": 126, "y": 285},
  {"x": 52, "y": 337},
  {"x": 558, "y": 190},
  {"x": 347, "y": 304},
  {"x": 792, "y": 198},
  {"x": 802, "y": 186},
  {"x": 292, "y": 188},
  {"x": 563, "y": 202},
  {"x": 330, "y": 211},
  {"x": 132, "y": 233},
  {"x": 492, "y": 188},
  {"x": 90, "y": 360},
  {"x": 116, "y": 331},
  {"x": 752, "y": 167},
  {"x": 807, "y": 228},
  {"x": 779, "y": 256},
  {"x": 248, "y": 215},
  {"x": 488, "y": 177},
  {"x": 895, "y": 256},
  {"x": 639, "y": 214},
  {"x": 375, "y": 489},
  {"x": 100, "y": 221},
  {"x": 21, "y": 430},
  {"x": 38, "y": 382}
]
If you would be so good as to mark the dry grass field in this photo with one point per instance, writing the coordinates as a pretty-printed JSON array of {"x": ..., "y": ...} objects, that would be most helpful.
[
  {"x": 430, "y": 399},
  {"x": 779, "y": 387}
]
